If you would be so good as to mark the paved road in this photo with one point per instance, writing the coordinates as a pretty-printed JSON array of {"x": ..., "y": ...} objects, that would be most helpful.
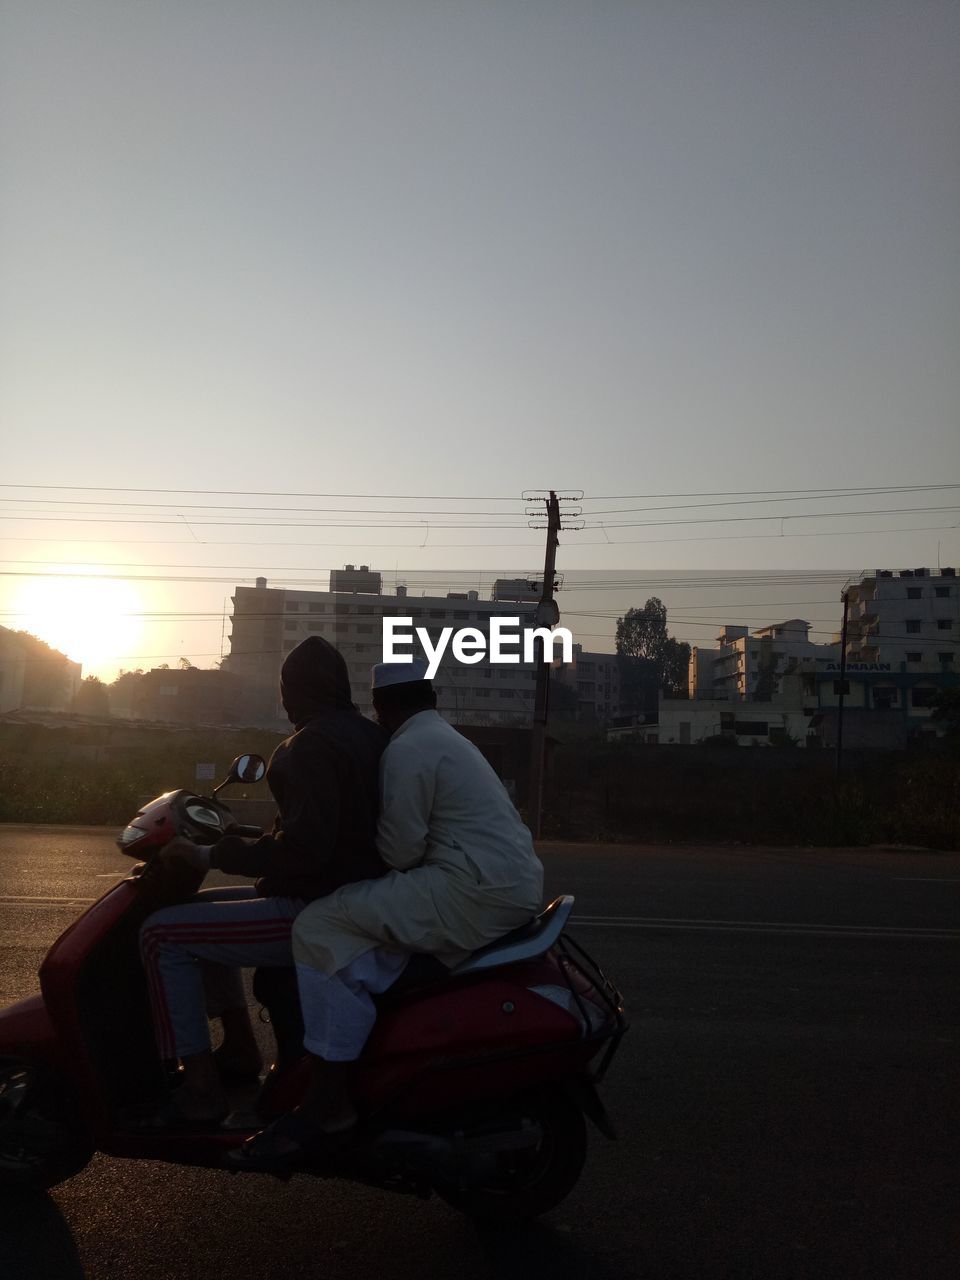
[{"x": 787, "y": 1094}]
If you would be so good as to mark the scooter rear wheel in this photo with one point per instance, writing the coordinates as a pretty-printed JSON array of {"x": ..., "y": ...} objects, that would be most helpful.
[
  {"x": 531, "y": 1181},
  {"x": 41, "y": 1141}
]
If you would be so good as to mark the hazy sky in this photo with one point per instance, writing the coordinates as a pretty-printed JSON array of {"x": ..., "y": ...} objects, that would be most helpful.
[{"x": 472, "y": 246}]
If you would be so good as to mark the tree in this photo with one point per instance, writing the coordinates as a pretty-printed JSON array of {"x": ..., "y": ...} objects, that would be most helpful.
[
  {"x": 92, "y": 698},
  {"x": 676, "y": 669},
  {"x": 124, "y": 690},
  {"x": 642, "y": 634}
]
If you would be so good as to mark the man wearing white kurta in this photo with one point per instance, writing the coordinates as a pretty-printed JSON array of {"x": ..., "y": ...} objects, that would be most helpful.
[{"x": 464, "y": 873}]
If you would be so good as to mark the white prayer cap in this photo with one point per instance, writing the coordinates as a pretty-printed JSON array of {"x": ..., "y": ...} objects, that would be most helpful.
[{"x": 385, "y": 674}]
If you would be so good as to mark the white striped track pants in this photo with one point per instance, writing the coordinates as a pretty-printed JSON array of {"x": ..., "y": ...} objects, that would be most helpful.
[{"x": 192, "y": 955}]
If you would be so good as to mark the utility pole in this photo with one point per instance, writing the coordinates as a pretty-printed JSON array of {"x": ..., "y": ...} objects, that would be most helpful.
[
  {"x": 547, "y": 616},
  {"x": 843, "y": 674}
]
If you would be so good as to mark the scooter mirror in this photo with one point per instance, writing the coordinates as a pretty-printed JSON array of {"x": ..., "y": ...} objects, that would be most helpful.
[{"x": 246, "y": 768}]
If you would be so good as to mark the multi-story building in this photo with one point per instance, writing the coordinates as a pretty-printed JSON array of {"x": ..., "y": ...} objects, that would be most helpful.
[
  {"x": 187, "y": 695},
  {"x": 595, "y": 679},
  {"x": 35, "y": 676},
  {"x": 268, "y": 622},
  {"x": 903, "y": 633},
  {"x": 749, "y": 666}
]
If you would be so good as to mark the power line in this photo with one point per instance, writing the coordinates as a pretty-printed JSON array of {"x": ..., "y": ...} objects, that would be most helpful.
[
  {"x": 446, "y": 497},
  {"x": 733, "y": 493},
  {"x": 208, "y": 506},
  {"x": 355, "y": 544},
  {"x": 751, "y": 502},
  {"x": 270, "y": 493}
]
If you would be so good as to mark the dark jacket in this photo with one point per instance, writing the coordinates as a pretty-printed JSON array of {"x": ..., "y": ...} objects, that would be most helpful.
[{"x": 325, "y": 780}]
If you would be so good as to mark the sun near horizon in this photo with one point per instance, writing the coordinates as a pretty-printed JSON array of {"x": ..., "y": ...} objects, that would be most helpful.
[{"x": 94, "y": 621}]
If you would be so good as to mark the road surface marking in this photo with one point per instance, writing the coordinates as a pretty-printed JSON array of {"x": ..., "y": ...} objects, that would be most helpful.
[
  {"x": 764, "y": 926},
  {"x": 642, "y": 922},
  {"x": 25, "y": 900}
]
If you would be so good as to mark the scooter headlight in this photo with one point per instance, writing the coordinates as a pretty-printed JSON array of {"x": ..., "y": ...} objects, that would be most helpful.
[{"x": 129, "y": 836}]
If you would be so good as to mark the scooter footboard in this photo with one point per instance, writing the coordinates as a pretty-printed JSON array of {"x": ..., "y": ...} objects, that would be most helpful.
[{"x": 27, "y": 1033}]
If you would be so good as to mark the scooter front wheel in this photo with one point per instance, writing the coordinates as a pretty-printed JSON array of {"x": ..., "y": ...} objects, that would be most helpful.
[
  {"x": 41, "y": 1141},
  {"x": 524, "y": 1183}
]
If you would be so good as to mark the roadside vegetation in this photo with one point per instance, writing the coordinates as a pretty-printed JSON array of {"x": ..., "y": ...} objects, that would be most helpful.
[
  {"x": 101, "y": 775},
  {"x": 752, "y": 795},
  {"x": 625, "y": 791}
]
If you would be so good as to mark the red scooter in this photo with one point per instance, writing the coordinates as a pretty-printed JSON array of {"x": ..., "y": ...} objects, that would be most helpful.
[{"x": 474, "y": 1083}]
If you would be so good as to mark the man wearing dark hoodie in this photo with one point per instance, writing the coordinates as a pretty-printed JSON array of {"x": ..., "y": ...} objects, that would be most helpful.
[{"x": 324, "y": 778}]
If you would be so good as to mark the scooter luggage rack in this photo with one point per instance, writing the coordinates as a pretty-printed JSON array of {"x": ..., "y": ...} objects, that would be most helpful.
[{"x": 611, "y": 998}]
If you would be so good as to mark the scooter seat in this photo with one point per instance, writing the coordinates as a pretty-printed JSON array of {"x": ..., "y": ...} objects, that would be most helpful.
[{"x": 526, "y": 943}]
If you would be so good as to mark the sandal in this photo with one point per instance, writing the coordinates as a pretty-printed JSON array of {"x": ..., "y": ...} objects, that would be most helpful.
[
  {"x": 232, "y": 1077},
  {"x": 263, "y": 1152}
]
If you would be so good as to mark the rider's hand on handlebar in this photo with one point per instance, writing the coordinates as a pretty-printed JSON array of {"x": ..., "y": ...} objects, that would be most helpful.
[{"x": 180, "y": 850}]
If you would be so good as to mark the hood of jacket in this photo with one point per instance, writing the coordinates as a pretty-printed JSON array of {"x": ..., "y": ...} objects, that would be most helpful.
[{"x": 314, "y": 679}]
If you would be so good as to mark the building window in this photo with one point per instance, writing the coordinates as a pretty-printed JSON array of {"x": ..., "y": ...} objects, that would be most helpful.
[
  {"x": 318, "y": 608},
  {"x": 315, "y": 626},
  {"x": 438, "y": 613},
  {"x": 845, "y": 689},
  {"x": 365, "y": 609},
  {"x": 750, "y": 728},
  {"x": 924, "y": 697},
  {"x": 291, "y": 606},
  {"x": 942, "y": 593},
  {"x": 945, "y": 657},
  {"x": 290, "y": 626},
  {"x": 884, "y": 699},
  {"x": 482, "y": 693},
  {"x": 461, "y": 614},
  {"x": 944, "y": 624},
  {"x": 912, "y": 625},
  {"x": 914, "y": 657},
  {"x": 914, "y": 593},
  {"x": 364, "y": 628},
  {"x": 340, "y": 628}
]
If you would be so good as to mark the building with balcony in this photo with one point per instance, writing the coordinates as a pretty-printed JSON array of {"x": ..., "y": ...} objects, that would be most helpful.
[
  {"x": 749, "y": 665},
  {"x": 903, "y": 633},
  {"x": 594, "y": 678}
]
